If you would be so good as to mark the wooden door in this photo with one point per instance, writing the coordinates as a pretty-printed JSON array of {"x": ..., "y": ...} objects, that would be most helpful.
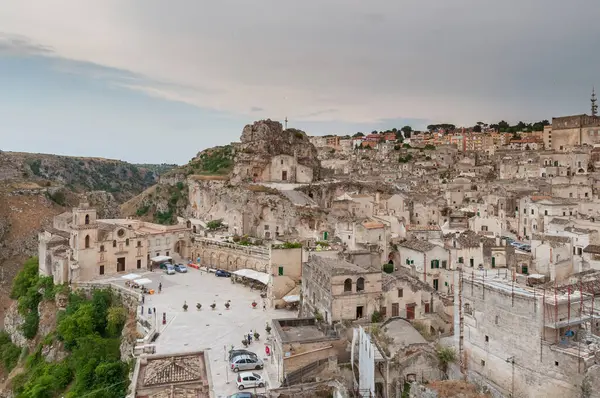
[
  {"x": 410, "y": 312},
  {"x": 395, "y": 309}
]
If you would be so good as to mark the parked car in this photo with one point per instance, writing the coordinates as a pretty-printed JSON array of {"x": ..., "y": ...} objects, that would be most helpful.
[
  {"x": 246, "y": 395},
  {"x": 180, "y": 268},
  {"x": 170, "y": 269},
  {"x": 237, "y": 353},
  {"x": 164, "y": 265},
  {"x": 249, "y": 380},
  {"x": 220, "y": 272},
  {"x": 246, "y": 362}
]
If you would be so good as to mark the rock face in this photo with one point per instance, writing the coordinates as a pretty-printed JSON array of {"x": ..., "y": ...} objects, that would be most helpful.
[
  {"x": 268, "y": 153},
  {"x": 12, "y": 325},
  {"x": 104, "y": 203}
]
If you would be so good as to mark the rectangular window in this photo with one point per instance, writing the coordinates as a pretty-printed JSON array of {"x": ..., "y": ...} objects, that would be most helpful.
[
  {"x": 167, "y": 254},
  {"x": 461, "y": 260},
  {"x": 435, "y": 284},
  {"x": 102, "y": 270},
  {"x": 139, "y": 264},
  {"x": 280, "y": 271},
  {"x": 444, "y": 264},
  {"x": 400, "y": 292},
  {"x": 579, "y": 251},
  {"x": 383, "y": 312}
]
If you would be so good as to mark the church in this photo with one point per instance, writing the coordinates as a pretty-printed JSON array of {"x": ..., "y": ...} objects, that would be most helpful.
[{"x": 79, "y": 247}]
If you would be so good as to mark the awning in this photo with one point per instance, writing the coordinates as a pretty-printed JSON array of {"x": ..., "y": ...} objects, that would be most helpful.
[
  {"x": 130, "y": 276},
  {"x": 294, "y": 298},
  {"x": 160, "y": 259},
  {"x": 143, "y": 281},
  {"x": 251, "y": 274}
]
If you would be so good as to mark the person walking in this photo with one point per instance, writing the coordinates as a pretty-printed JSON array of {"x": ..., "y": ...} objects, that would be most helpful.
[
  {"x": 160, "y": 287},
  {"x": 249, "y": 338}
]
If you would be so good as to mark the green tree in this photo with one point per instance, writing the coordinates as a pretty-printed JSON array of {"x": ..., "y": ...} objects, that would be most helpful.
[
  {"x": 77, "y": 325},
  {"x": 445, "y": 356},
  {"x": 406, "y": 129},
  {"x": 115, "y": 320},
  {"x": 25, "y": 279},
  {"x": 359, "y": 134}
]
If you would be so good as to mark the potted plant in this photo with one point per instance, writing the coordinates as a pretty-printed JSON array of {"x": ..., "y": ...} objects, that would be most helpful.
[
  {"x": 245, "y": 343},
  {"x": 256, "y": 335},
  {"x": 198, "y": 306},
  {"x": 185, "y": 306},
  {"x": 254, "y": 304},
  {"x": 268, "y": 329},
  {"x": 227, "y": 305},
  {"x": 213, "y": 306}
]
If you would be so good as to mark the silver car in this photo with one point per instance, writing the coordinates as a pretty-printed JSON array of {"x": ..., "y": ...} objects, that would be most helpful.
[{"x": 245, "y": 362}]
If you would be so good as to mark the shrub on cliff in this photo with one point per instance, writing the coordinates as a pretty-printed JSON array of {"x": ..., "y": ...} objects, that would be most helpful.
[{"x": 9, "y": 353}]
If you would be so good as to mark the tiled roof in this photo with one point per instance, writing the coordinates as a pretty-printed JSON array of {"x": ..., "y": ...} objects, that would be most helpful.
[
  {"x": 372, "y": 225},
  {"x": 418, "y": 245},
  {"x": 592, "y": 249},
  {"x": 537, "y": 198},
  {"x": 468, "y": 239},
  {"x": 560, "y": 221},
  {"x": 418, "y": 227},
  {"x": 551, "y": 238},
  {"x": 337, "y": 266}
]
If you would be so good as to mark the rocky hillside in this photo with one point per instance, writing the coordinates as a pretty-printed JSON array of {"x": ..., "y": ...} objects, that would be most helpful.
[{"x": 36, "y": 187}]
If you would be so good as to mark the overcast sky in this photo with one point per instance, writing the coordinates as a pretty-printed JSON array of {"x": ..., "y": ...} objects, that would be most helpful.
[{"x": 157, "y": 81}]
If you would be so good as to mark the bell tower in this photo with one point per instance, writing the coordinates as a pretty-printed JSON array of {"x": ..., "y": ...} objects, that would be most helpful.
[{"x": 84, "y": 227}]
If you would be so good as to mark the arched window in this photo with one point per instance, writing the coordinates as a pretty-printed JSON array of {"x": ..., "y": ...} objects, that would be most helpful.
[
  {"x": 87, "y": 241},
  {"x": 348, "y": 285},
  {"x": 87, "y": 219},
  {"x": 189, "y": 224},
  {"x": 101, "y": 248},
  {"x": 360, "y": 284},
  {"x": 114, "y": 243}
]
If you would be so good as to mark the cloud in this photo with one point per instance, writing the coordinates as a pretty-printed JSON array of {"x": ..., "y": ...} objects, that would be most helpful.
[
  {"x": 368, "y": 61},
  {"x": 16, "y": 45}
]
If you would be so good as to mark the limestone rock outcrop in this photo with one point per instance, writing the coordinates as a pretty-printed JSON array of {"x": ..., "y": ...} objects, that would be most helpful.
[{"x": 268, "y": 153}]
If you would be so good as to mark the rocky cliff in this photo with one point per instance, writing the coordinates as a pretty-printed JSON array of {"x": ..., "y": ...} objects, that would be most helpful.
[{"x": 265, "y": 139}]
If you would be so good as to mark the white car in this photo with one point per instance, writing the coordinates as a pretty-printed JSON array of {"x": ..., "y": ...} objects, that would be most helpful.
[{"x": 249, "y": 380}]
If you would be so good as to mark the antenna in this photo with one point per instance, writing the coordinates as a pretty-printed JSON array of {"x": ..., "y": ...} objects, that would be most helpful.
[{"x": 593, "y": 101}]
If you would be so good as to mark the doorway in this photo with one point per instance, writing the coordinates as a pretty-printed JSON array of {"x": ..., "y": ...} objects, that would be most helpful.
[
  {"x": 410, "y": 311},
  {"x": 359, "y": 312},
  {"x": 120, "y": 264},
  {"x": 493, "y": 262},
  {"x": 284, "y": 175},
  {"x": 427, "y": 308}
]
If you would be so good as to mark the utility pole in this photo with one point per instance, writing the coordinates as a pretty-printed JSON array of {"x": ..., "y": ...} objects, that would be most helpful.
[
  {"x": 593, "y": 101},
  {"x": 461, "y": 326}
]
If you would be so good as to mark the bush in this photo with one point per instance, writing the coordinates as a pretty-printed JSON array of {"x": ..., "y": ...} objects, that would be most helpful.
[
  {"x": 9, "y": 353},
  {"x": 58, "y": 197},
  {"x": 388, "y": 268},
  {"x": 25, "y": 279},
  {"x": 35, "y": 167},
  {"x": 30, "y": 326},
  {"x": 288, "y": 245},
  {"x": 214, "y": 224},
  {"x": 376, "y": 317},
  {"x": 142, "y": 210}
]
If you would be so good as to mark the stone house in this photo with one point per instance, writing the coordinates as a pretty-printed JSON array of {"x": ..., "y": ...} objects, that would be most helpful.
[
  {"x": 339, "y": 290},
  {"x": 428, "y": 262},
  {"x": 591, "y": 257},
  {"x": 423, "y": 232},
  {"x": 552, "y": 256},
  {"x": 406, "y": 296},
  {"x": 508, "y": 327},
  {"x": 534, "y": 210},
  {"x": 487, "y": 225},
  {"x": 300, "y": 342},
  {"x": 466, "y": 249},
  {"x": 84, "y": 247}
]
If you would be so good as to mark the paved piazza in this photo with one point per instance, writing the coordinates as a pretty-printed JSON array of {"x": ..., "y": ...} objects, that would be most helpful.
[{"x": 207, "y": 329}]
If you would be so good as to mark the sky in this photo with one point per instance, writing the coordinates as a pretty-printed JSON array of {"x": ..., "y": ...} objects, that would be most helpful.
[{"x": 154, "y": 81}]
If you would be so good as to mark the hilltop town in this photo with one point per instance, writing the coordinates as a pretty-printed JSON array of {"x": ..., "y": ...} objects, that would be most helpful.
[{"x": 457, "y": 260}]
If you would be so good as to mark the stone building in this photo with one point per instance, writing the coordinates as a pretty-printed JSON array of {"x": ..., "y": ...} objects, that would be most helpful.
[
  {"x": 570, "y": 131},
  {"x": 428, "y": 262},
  {"x": 520, "y": 342},
  {"x": 79, "y": 247},
  {"x": 339, "y": 290}
]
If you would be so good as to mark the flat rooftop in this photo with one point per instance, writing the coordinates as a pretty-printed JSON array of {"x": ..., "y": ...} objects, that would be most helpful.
[{"x": 298, "y": 330}]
